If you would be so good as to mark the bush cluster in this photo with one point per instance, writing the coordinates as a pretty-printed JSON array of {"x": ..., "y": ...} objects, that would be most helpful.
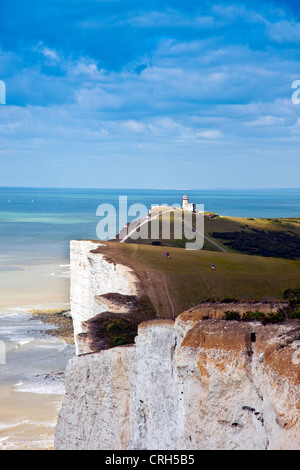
[
  {"x": 291, "y": 311},
  {"x": 278, "y": 244},
  {"x": 118, "y": 332},
  {"x": 273, "y": 317}
]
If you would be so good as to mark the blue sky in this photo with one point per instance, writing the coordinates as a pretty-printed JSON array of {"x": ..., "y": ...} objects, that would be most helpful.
[{"x": 149, "y": 94}]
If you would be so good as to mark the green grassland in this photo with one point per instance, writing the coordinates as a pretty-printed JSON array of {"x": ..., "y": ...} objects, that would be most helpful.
[
  {"x": 263, "y": 237},
  {"x": 187, "y": 278},
  {"x": 255, "y": 259}
]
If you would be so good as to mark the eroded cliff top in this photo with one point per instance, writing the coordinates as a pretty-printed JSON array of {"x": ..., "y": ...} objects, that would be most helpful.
[{"x": 276, "y": 345}]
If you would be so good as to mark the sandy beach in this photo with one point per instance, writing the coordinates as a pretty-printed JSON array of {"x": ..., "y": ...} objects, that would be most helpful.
[{"x": 31, "y": 385}]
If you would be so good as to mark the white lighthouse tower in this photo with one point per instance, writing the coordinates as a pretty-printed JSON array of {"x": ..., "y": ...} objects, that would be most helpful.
[
  {"x": 186, "y": 205},
  {"x": 185, "y": 201}
]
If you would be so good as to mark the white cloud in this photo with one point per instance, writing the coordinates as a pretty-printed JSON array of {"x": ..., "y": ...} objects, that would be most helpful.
[
  {"x": 212, "y": 92},
  {"x": 283, "y": 31},
  {"x": 51, "y": 55},
  {"x": 135, "y": 126},
  {"x": 267, "y": 121},
  {"x": 210, "y": 134},
  {"x": 97, "y": 98},
  {"x": 84, "y": 66},
  {"x": 173, "y": 18}
]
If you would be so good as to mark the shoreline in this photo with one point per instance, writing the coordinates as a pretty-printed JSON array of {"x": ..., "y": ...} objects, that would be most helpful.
[
  {"x": 38, "y": 344},
  {"x": 59, "y": 318},
  {"x": 32, "y": 378}
]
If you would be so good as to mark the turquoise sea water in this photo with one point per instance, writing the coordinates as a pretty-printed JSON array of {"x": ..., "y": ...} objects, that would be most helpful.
[{"x": 37, "y": 222}]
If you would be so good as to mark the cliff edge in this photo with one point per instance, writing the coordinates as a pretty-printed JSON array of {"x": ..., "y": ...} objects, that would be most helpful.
[{"x": 196, "y": 382}]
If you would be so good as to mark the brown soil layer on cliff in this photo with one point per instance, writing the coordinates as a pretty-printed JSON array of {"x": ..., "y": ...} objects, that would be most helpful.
[
  {"x": 278, "y": 346},
  {"x": 187, "y": 279},
  {"x": 219, "y": 311},
  {"x": 60, "y": 319},
  {"x": 219, "y": 335}
]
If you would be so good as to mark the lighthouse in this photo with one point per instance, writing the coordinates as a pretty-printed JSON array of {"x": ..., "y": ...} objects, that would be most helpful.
[
  {"x": 186, "y": 205},
  {"x": 185, "y": 201}
]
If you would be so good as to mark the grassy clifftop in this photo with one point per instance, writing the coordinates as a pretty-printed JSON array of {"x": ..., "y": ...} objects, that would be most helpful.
[
  {"x": 187, "y": 278},
  {"x": 264, "y": 237},
  {"x": 278, "y": 238}
]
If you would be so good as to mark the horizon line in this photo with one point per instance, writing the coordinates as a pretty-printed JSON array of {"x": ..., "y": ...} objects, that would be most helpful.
[{"x": 153, "y": 189}]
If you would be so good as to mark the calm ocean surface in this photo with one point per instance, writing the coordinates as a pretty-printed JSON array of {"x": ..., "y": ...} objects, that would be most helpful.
[{"x": 38, "y": 222}]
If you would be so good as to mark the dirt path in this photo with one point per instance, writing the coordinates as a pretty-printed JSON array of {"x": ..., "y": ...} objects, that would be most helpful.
[
  {"x": 169, "y": 298},
  {"x": 216, "y": 244},
  {"x": 146, "y": 221}
]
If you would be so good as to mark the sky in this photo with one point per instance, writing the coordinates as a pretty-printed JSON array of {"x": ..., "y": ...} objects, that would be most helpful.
[{"x": 149, "y": 94}]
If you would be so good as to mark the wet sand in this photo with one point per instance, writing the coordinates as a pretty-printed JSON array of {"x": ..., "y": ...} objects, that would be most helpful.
[
  {"x": 31, "y": 380},
  {"x": 27, "y": 421}
]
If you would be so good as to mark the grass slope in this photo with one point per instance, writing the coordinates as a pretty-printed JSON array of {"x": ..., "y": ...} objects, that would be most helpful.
[
  {"x": 263, "y": 237},
  {"x": 187, "y": 278}
]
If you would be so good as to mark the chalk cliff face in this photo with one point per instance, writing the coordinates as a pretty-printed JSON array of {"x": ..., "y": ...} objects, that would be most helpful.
[
  {"x": 192, "y": 383},
  {"x": 214, "y": 390},
  {"x": 91, "y": 276}
]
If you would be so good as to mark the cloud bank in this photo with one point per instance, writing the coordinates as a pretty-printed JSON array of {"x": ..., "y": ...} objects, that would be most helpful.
[{"x": 143, "y": 94}]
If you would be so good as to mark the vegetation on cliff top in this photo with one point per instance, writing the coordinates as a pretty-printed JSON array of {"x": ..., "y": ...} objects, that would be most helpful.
[
  {"x": 289, "y": 312},
  {"x": 278, "y": 238},
  {"x": 109, "y": 329},
  {"x": 187, "y": 277}
]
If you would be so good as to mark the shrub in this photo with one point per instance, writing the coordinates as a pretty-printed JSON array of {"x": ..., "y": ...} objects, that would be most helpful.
[
  {"x": 295, "y": 313},
  {"x": 275, "y": 317},
  {"x": 119, "y": 341},
  {"x": 292, "y": 296},
  {"x": 232, "y": 315},
  {"x": 113, "y": 325},
  {"x": 253, "y": 316},
  {"x": 279, "y": 244},
  {"x": 117, "y": 332}
]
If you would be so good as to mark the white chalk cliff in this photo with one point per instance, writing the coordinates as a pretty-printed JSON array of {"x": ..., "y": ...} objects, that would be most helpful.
[
  {"x": 185, "y": 384},
  {"x": 92, "y": 275}
]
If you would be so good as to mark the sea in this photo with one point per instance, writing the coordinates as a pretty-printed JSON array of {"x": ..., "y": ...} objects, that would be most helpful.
[
  {"x": 36, "y": 226},
  {"x": 40, "y": 222}
]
